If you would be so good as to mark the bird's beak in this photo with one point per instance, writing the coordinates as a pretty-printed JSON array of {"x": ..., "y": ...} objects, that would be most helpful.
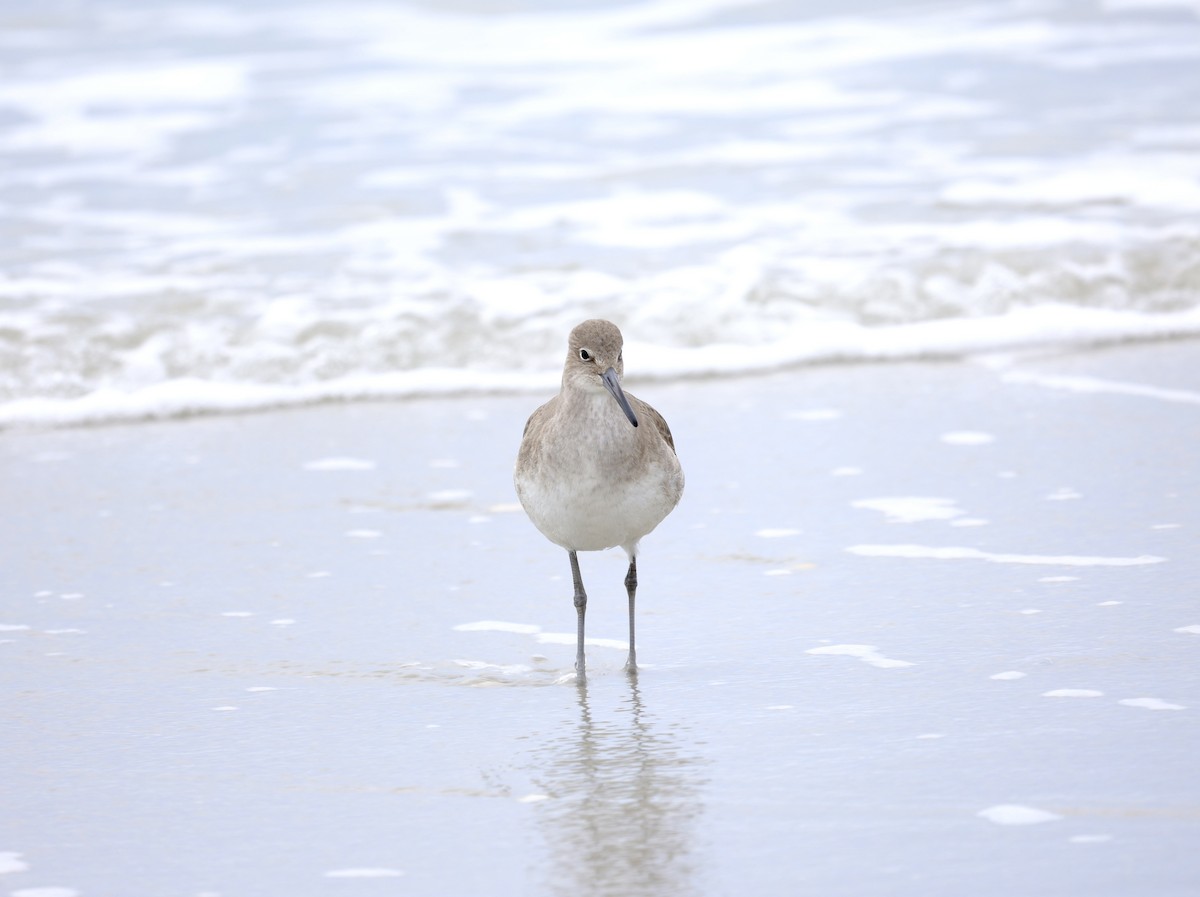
[{"x": 613, "y": 385}]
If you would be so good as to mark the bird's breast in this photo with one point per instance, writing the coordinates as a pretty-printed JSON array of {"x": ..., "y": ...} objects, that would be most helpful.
[{"x": 598, "y": 484}]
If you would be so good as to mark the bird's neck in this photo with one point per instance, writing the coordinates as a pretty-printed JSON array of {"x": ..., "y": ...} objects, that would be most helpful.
[{"x": 595, "y": 408}]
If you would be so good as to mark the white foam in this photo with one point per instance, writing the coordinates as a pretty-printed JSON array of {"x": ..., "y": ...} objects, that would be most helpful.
[
  {"x": 213, "y": 82},
  {"x": 201, "y": 393},
  {"x": 545, "y": 638},
  {"x": 1073, "y": 693},
  {"x": 507, "y": 669},
  {"x": 52, "y": 891},
  {"x": 532, "y": 798},
  {"x": 498, "y": 626},
  {"x": 960, "y": 553},
  {"x": 1064, "y": 493},
  {"x": 450, "y": 496},
  {"x": 1151, "y": 704},
  {"x": 967, "y": 437},
  {"x": 911, "y": 509},
  {"x": 569, "y": 638},
  {"x": 777, "y": 533},
  {"x": 866, "y": 653},
  {"x": 1017, "y": 814},
  {"x": 1008, "y": 676},
  {"x": 1193, "y": 630},
  {"x": 1097, "y": 183},
  {"x": 11, "y": 861},
  {"x": 331, "y": 464},
  {"x": 193, "y": 395},
  {"x": 479, "y": 246},
  {"x": 364, "y": 534},
  {"x": 364, "y": 872},
  {"x": 1090, "y": 839},
  {"x": 13, "y": 627},
  {"x": 506, "y": 508}
]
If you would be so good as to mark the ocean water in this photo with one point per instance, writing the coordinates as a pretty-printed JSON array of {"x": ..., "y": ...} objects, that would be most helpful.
[{"x": 211, "y": 206}]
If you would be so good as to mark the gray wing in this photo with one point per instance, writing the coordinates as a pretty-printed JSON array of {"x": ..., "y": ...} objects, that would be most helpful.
[
  {"x": 536, "y": 420},
  {"x": 659, "y": 422}
]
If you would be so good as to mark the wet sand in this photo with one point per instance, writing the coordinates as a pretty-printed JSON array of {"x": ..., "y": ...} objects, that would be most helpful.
[{"x": 915, "y": 629}]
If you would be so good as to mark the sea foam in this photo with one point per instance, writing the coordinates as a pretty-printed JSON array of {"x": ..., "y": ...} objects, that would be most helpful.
[{"x": 740, "y": 190}]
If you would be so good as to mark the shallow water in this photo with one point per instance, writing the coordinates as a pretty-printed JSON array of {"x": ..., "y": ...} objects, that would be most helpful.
[
  {"x": 212, "y": 206},
  {"x": 316, "y": 651}
]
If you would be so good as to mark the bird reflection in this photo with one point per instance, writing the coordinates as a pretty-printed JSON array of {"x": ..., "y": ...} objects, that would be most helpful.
[{"x": 624, "y": 804}]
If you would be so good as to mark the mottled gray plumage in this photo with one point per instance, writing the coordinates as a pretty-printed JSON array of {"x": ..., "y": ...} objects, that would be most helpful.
[{"x": 597, "y": 466}]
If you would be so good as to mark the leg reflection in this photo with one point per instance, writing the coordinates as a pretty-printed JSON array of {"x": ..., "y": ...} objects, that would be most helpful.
[{"x": 625, "y": 797}]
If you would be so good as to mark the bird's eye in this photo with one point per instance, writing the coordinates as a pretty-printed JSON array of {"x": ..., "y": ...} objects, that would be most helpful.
[{"x": 585, "y": 355}]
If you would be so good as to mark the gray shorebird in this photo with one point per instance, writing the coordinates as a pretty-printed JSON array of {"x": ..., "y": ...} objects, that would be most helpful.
[{"x": 597, "y": 466}]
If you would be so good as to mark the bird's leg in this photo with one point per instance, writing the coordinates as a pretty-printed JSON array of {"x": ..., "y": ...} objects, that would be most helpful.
[
  {"x": 631, "y": 590},
  {"x": 580, "y": 610}
]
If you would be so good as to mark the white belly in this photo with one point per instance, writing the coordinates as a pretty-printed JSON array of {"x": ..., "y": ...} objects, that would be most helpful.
[{"x": 591, "y": 513}]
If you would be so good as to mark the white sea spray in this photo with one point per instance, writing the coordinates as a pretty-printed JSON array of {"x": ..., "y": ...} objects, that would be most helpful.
[{"x": 441, "y": 194}]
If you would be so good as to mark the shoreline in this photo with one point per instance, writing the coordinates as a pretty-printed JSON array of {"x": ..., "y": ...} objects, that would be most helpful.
[{"x": 191, "y": 398}]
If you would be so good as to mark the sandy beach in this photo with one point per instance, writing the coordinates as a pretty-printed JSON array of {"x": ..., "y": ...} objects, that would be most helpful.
[
  {"x": 923, "y": 628},
  {"x": 917, "y": 286}
]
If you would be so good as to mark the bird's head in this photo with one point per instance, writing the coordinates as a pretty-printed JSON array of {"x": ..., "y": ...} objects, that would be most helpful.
[{"x": 594, "y": 361}]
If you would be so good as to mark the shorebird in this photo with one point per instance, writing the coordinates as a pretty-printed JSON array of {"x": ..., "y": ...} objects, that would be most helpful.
[{"x": 597, "y": 466}]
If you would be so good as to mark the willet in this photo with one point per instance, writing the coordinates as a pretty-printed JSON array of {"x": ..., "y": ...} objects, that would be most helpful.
[{"x": 597, "y": 466}]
